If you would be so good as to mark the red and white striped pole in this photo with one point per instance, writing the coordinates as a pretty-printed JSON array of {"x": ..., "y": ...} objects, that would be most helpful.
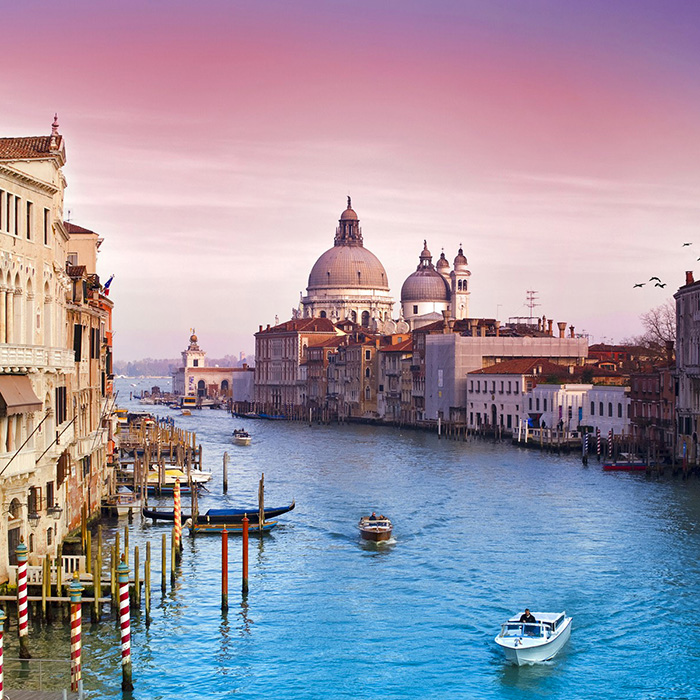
[
  {"x": 610, "y": 443},
  {"x": 597, "y": 434},
  {"x": 75, "y": 590},
  {"x": 125, "y": 624},
  {"x": 2, "y": 634},
  {"x": 22, "y": 605},
  {"x": 177, "y": 513}
]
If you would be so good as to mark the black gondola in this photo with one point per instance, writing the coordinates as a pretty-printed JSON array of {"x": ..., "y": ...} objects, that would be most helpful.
[{"x": 220, "y": 515}]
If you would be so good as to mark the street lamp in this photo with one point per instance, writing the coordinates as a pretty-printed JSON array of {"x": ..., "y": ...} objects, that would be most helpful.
[{"x": 55, "y": 511}]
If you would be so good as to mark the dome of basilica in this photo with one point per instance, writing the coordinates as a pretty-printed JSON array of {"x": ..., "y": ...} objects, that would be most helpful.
[
  {"x": 426, "y": 283},
  {"x": 348, "y": 264}
]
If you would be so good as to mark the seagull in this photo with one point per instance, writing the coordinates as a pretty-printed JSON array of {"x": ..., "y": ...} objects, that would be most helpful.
[
  {"x": 685, "y": 244},
  {"x": 658, "y": 284},
  {"x": 641, "y": 284},
  {"x": 651, "y": 279}
]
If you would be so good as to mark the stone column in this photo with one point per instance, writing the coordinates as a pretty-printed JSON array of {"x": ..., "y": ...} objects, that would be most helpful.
[
  {"x": 9, "y": 316},
  {"x": 3, "y": 315}
]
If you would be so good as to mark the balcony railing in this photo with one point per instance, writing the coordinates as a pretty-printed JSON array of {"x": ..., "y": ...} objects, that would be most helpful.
[{"x": 25, "y": 358}]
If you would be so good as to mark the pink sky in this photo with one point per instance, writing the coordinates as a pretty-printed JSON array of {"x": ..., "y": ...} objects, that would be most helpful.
[{"x": 212, "y": 144}]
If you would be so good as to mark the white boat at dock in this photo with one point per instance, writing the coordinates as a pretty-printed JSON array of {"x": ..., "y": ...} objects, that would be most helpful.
[{"x": 533, "y": 642}]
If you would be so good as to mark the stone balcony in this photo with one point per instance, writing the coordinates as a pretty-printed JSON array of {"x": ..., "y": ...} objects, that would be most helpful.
[{"x": 32, "y": 358}]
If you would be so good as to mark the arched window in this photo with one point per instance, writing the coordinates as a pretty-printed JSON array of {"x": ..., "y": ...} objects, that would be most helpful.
[
  {"x": 367, "y": 372},
  {"x": 365, "y": 318},
  {"x": 29, "y": 315},
  {"x": 48, "y": 326},
  {"x": 368, "y": 393},
  {"x": 610, "y": 412},
  {"x": 224, "y": 387},
  {"x": 17, "y": 312},
  {"x": 322, "y": 314},
  {"x": 353, "y": 316},
  {"x": 201, "y": 388}
]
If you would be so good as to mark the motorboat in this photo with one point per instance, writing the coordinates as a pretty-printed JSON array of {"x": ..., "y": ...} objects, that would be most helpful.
[
  {"x": 627, "y": 462},
  {"x": 533, "y": 642},
  {"x": 375, "y": 528},
  {"x": 241, "y": 437}
]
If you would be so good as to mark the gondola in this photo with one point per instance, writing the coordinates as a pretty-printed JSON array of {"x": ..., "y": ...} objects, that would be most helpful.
[{"x": 220, "y": 515}]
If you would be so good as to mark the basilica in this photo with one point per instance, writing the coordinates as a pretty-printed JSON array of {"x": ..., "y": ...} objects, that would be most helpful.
[{"x": 348, "y": 282}]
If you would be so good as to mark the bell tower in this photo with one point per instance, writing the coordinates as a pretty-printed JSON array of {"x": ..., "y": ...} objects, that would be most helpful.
[{"x": 459, "y": 278}]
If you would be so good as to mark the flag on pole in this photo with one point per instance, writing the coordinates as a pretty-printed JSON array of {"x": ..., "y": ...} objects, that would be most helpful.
[{"x": 107, "y": 285}]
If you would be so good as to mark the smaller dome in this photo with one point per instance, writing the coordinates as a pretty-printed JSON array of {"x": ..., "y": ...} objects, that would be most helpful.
[
  {"x": 460, "y": 260},
  {"x": 442, "y": 262},
  {"x": 425, "y": 285},
  {"x": 349, "y": 213}
]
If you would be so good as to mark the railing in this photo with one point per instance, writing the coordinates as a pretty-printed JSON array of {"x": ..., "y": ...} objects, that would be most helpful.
[
  {"x": 26, "y": 357},
  {"x": 70, "y": 563},
  {"x": 44, "y": 675}
]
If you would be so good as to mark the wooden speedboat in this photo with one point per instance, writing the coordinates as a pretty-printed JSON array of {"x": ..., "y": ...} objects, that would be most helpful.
[
  {"x": 221, "y": 515},
  {"x": 533, "y": 642},
  {"x": 375, "y": 528},
  {"x": 241, "y": 437}
]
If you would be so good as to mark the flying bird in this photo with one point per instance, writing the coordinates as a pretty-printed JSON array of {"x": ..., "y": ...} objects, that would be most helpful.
[
  {"x": 651, "y": 279},
  {"x": 641, "y": 284},
  {"x": 658, "y": 284},
  {"x": 685, "y": 244}
]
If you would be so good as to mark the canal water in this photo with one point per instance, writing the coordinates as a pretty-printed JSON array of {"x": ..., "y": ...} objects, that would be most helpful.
[{"x": 482, "y": 530}]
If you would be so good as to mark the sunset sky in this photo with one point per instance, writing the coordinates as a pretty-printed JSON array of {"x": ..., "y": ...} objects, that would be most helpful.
[{"x": 213, "y": 144}]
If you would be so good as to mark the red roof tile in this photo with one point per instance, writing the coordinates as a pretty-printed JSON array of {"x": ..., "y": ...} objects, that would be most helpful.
[{"x": 25, "y": 147}]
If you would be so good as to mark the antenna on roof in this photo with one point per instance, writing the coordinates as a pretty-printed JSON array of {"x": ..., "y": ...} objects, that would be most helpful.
[
  {"x": 70, "y": 212},
  {"x": 531, "y": 301}
]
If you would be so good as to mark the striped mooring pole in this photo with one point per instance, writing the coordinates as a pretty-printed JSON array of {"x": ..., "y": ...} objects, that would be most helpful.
[
  {"x": 244, "y": 571},
  {"x": 75, "y": 590},
  {"x": 2, "y": 631},
  {"x": 597, "y": 434},
  {"x": 22, "y": 605},
  {"x": 177, "y": 512},
  {"x": 610, "y": 444},
  {"x": 125, "y": 624}
]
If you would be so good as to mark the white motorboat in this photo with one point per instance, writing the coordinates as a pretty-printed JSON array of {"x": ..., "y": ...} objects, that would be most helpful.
[
  {"x": 241, "y": 437},
  {"x": 532, "y": 642}
]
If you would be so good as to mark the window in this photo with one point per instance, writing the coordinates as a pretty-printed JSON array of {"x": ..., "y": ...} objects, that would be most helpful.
[
  {"x": 34, "y": 499},
  {"x": 537, "y": 404},
  {"x": 61, "y": 404},
  {"x": 471, "y": 385},
  {"x": 95, "y": 343},
  {"x": 619, "y": 410},
  {"x": 50, "y": 495},
  {"x": 368, "y": 354},
  {"x": 78, "y": 341},
  {"x": 30, "y": 208},
  {"x": 322, "y": 314},
  {"x": 545, "y": 405},
  {"x": 592, "y": 408},
  {"x": 600, "y": 409},
  {"x": 610, "y": 410},
  {"x": 368, "y": 393},
  {"x": 2, "y": 210},
  {"x": 501, "y": 388},
  {"x": 381, "y": 387},
  {"x": 16, "y": 216},
  {"x": 47, "y": 225},
  {"x": 530, "y": 403},
  {"x": 367, "y": 372},
  {"x": 415, "y": 309},
  {"x": 195, "y": 363}
]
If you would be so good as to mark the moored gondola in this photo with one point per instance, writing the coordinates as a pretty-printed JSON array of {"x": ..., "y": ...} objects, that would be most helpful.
[{"x": 221, "y": 515}]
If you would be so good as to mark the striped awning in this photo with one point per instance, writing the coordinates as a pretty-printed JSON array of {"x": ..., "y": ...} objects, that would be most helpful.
[{"x": 17, "y": 395}]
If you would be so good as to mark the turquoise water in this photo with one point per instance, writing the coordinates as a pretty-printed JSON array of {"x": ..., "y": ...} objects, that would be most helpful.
[{"x": 481, "y": 530}]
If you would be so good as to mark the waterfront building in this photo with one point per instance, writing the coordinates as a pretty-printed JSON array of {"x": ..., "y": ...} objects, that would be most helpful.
[
  {"x": 433, "y": 289},
  {"x": 394, "y": 374},
  {"x": 349, "y": 282},
  {"x": 318, "y": 360},
  {"x": 653, "y": 407},
  {"x": 688, "y": 367},
  {"x": 55, "y": 351},
  {"x": 195, "y": 378},
  {"x": 452, "y": 354},
  {"x": 280, "y": 360},
  {"x": 545, "y": 394}
]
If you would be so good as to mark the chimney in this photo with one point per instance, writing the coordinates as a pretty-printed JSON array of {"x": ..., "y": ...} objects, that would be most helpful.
[
  {"x": 498, "y": 329},
  {"x": 268, "y": 326},
  {"x": 260, "y": 327},
  {"x": 689, "y": 277},
  {"x": 549, "y": 327},
  {"x": 446, "y": 321},
  {"x": 571, "y": 330},
  {"x": 562, "y": 329},
  {"x": 473, "y": 323}
]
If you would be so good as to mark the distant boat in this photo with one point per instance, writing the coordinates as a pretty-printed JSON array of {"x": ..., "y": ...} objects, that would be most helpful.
[
  {"x": 221, "y": 515},
  {"x": 532, "y": 642},
  {"x": 186, "y": 412},
  {"x": 375, "y": 528},
  {"x": 627, "y": 462}
]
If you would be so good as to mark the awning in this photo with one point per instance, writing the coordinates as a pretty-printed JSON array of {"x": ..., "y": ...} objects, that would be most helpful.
[{"x": 17, "y": 395}]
